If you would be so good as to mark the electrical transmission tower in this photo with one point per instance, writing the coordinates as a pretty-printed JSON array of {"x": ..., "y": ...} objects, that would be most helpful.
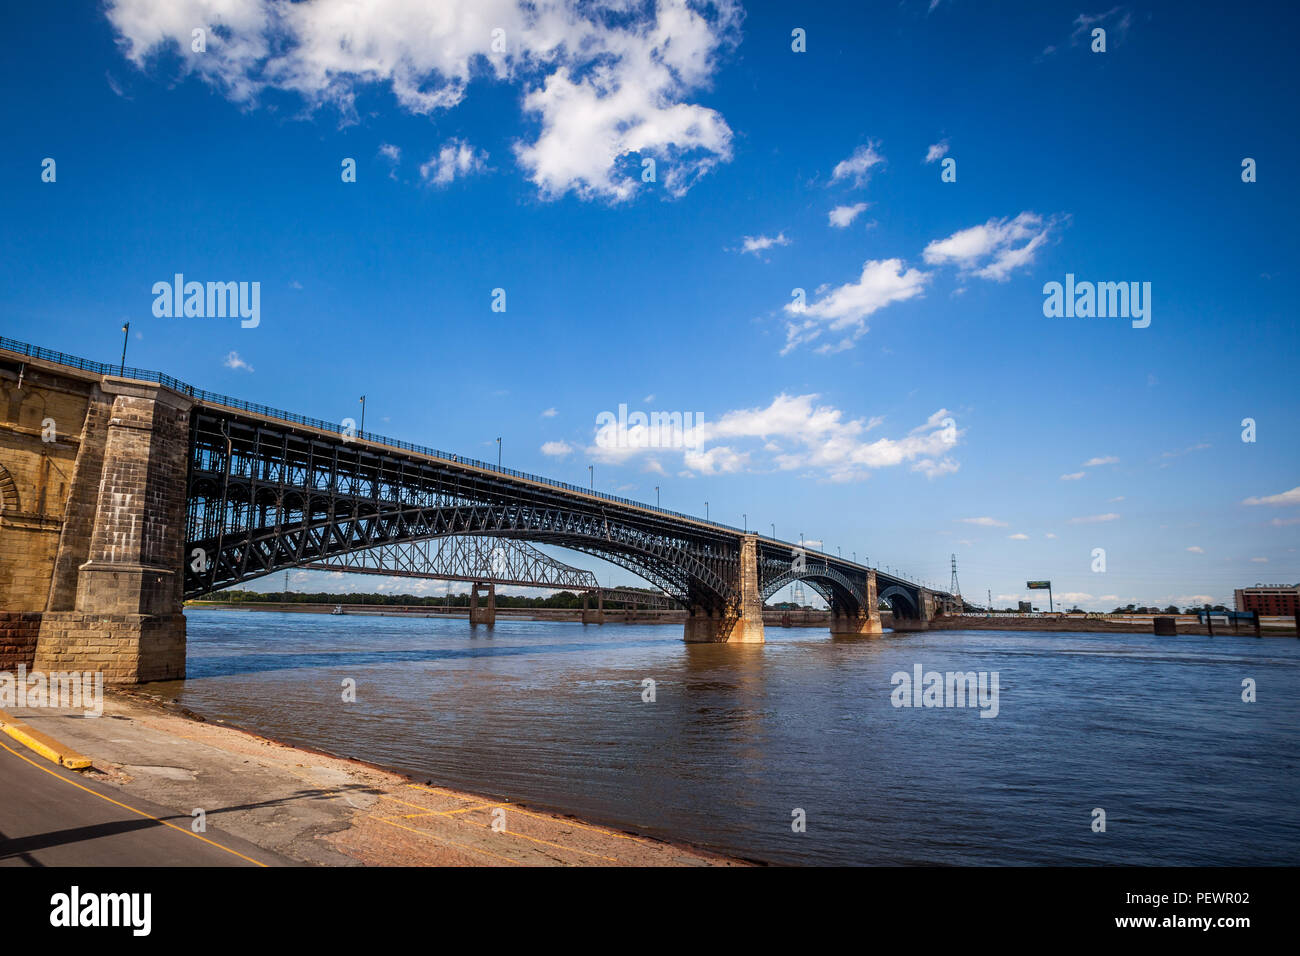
[{"x": 954, "y": 587}]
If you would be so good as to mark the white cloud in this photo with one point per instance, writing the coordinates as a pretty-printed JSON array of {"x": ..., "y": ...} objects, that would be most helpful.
[
  {"x": 455, "y": 159},
  {"x": 1073, "y": 476},
  {"x": 550, "y": 413},
  {"x": 985, "y": 522},
  {"x": 858, "y": 166},
  {"x": 393, "y": 153},
  {"x": 1049, "y": 535},
  {"x": 1094, "y": 462},
  {"x": 1291, "y": 497},
  {"x": 844, "y": 309},
  {"x": 603, "y": 80},
  {"x": 1283, "y": 522},
  {"x": 1260, "y": 560},
  {"x": 993, "y": 250},
  {"x": 1018, "y": 537},
  {"x": 937, "y": 151},
  {"x": 843, "y": 216},
  {"x": 1094, "y": 519},
  {"x": 556, "y": 449},
  {"x": 757, "y": 244},
  {"x": 792, "y": 433},
  {"x": 1196, "y": 549},
  {"x": 234, "y": 361}
]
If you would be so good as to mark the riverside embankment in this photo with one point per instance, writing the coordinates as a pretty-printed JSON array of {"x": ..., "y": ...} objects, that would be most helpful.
[{"x": 313, "y": 808}]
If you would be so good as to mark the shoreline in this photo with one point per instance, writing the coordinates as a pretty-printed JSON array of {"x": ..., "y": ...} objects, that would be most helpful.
[
  {"x": 318, "y": 808},
  {"x": 1185, "y": 624}
]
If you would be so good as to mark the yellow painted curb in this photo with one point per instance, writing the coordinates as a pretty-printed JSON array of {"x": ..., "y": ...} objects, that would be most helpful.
[{"x": 43, "y": 744}]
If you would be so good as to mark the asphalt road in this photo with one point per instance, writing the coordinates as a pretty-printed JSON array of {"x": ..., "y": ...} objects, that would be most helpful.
[{"x": 50, "y": 816}]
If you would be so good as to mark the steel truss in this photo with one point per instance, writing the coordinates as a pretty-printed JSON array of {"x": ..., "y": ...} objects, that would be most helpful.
[{"x": 476, "y": 558}]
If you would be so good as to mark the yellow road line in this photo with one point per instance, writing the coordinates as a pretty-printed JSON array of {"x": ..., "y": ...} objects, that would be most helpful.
[{"x": 125, "y": 806}]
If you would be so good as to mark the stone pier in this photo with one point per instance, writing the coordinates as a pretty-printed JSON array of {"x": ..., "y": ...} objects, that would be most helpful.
[
  {"x": 588, "y": 615},
  {"x": 116, "y": 594},
  {"x": 741, "y": 623},
  {"x": 487, "y": 614},
  {"x": 863, "y": 622}
]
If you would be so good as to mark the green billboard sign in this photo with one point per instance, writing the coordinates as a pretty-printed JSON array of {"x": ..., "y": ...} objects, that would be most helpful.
[{"x": 1039, "y": 585}]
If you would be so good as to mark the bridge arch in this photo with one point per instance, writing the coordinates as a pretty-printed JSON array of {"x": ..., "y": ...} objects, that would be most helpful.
[{"x": 901, "y": 601}]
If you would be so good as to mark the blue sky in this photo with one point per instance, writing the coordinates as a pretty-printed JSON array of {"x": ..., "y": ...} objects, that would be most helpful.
[{"x": 521, "y": 169}]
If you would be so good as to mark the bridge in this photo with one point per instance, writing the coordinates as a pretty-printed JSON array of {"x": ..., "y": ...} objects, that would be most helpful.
[{"x": 124, "y": 491}]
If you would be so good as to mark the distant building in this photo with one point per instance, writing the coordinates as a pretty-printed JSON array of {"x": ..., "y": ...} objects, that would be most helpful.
[
  {"x": 1026, "y": 608},
  {"x": 1283, "y": 599}
]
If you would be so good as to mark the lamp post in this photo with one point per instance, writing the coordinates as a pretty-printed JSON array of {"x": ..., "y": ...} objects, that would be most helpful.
[
  {"x": 773, "y": 529},
  {"x": 706, "y": 511},
  {"x": 126, "y": 327},
  {"x": 591, "y": 472},
  {"x": 746, "y": 517},
  {"x": 656, "y": 496},
  {"x": 498, "y": 454},
  {"x": 363, "y": 413}
]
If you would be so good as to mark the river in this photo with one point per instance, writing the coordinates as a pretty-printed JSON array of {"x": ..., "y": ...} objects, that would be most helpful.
[{"x": 738, "y": 739}]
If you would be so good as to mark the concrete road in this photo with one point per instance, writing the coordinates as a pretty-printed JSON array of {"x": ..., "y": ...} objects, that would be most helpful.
[{"x": 50, "y": 816}]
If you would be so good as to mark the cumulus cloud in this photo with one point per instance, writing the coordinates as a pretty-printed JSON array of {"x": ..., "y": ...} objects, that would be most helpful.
[
  {"x": 455, "y": 159},
  {"x": 791, "y": 433},
  {"x": 234, "y": 361},
  {"x": 549, "y": 413},
  {"x": 937, "y": 151},
  {"x": 556, "y": 449},
  {"x": 1291, "y": 497},
  {"x": 1196, "y": 549},
  {"x": 1107, "y": 460},
  {"x": 995, "y": 249},
  {"x": 1018, "y": 537},
  {"x": 859, "y": 165},
  {"x": 601, "y": 80},
  {"x": 844, "y": 309},
  {"x": 1095, "y": 519},
  {"x": 759, "y": 244},
  {"x": 1073, "y": 476},
  {"x": 985, "y": 522},
  {"x": 843, "y": 216}
]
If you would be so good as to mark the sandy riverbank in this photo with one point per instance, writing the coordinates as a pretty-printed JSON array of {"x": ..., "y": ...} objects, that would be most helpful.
[{"x": 323, "y": 810}]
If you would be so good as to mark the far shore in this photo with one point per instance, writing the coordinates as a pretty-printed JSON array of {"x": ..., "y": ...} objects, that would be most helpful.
[{"x": 1059, "y": 622}]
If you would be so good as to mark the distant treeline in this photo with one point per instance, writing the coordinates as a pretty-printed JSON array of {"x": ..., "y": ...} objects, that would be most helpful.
[{"x": 562, "y": 599}]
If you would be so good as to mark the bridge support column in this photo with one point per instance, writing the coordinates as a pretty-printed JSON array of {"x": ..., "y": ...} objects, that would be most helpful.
[
  {"x": 865, "y": 621},
  {"x": 741, "y": 623},
  {"x": 488, "y": 613},
  {"x": 588, "y": 615},
  {"x": 120, "y": 612}
]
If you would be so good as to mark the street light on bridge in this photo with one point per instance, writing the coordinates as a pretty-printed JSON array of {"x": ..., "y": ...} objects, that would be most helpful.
[
  {"x": 706, "y": 511},
  {"x": 656, "y": 496},
  {"x": 362, "y": 400},
  {"x": 498, "y": 454},
  {"x": 746, "y": 518},
  {"x": 591, "y": 473}
]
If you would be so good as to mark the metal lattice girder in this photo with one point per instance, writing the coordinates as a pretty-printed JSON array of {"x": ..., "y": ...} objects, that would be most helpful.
[
  {"x": 464, "y": 558},
  {"x": 266, "y": 494}
]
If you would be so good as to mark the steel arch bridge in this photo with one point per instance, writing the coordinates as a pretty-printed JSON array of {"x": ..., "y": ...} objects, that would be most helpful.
[{"x": 264, "y": 494}]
